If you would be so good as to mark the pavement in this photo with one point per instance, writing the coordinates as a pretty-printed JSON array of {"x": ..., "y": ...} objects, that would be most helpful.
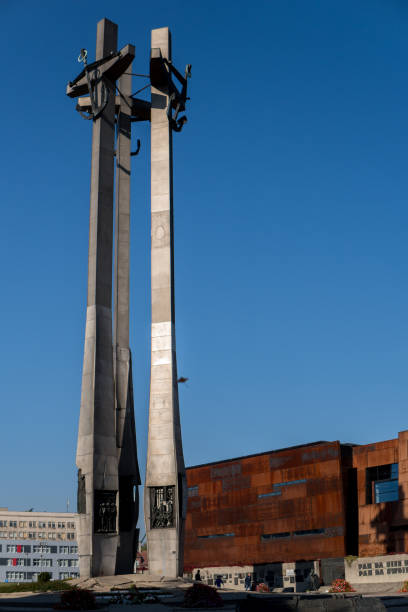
[{"x": 171, "y": 594}]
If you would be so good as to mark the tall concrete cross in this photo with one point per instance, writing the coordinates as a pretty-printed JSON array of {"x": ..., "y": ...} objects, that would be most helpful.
[
  {"x": 165, "y": 490},
  {"x": 108, "y": 473},
  {"x": 97, "y": 460}
]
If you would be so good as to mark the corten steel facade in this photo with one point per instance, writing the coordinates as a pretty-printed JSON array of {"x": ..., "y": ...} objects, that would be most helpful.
[
  {"x": 382, "y": 481},
  {"x": 281, "y": 506}
]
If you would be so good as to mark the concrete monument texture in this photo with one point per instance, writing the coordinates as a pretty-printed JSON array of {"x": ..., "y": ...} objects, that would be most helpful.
[
  {"x": 165, "y": 488},
  {"x": 106, "y": 452},
  {"x": 108, "y": 473}
]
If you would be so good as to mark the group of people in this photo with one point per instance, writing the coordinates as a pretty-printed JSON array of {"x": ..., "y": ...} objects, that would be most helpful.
[
  {"x": 219, "y": 581},
  {"x": 250, "y": 585}
]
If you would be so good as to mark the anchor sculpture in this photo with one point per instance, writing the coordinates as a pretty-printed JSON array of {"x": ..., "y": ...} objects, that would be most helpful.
[
  {"x": 93, "y": 79},
  {"x": 161, "y": 71},
  {"x": 99, "y": 75}
]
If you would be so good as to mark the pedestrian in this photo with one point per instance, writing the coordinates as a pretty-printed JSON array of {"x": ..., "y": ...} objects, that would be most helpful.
[
  {"x": 248, "y": 582},
  {"x": 197, "y": 577},
  {"x": 219, "y": 582}
]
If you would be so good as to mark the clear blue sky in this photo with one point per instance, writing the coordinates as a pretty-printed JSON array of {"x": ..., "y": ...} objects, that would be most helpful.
[{"x": 291, "y": 228}]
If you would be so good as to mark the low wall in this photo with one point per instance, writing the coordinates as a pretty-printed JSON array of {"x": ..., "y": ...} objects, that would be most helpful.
[
  {"x": 280, "y": 576},
  {"x": 373, "y": 570}
]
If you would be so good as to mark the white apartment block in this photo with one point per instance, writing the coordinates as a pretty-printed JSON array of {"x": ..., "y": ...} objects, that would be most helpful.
[{"x": 34, "y": 542}]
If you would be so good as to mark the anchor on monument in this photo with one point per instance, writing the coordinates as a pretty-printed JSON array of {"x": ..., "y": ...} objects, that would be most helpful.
[
  {"x": 161, "y": 71},
  {"x": 97, "y": 81}
]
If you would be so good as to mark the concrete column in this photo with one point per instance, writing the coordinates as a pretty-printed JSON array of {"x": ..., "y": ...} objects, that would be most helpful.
[
  {"x": 129, "y": 477},
  {"x": 97, "y": 455},
  {"x": 165, "y": 491}
]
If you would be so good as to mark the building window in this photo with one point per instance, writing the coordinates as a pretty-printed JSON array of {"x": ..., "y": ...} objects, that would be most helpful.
[
  {"x": 18, "y": 561},
  {"x": 32, "y": 535},
  {"x": 41, "y": 548},
  {"x": 216, "y": 535},
  {"x": 306, "y": 532},
  {"x": 3, "y": 523},
  {"x": 12, "y": 534},
  {"x": 73, "y": 550},
  {"x": 61, "y": 525},
  {"x": 51, "y": 535},
  {"x": 51, "y": 525},
  {"x": 65, "y": 575},
  {"x": 4, "y": 534},
  {"x": 22, "y": 524},
  {"x": 70, "y": 536},
  {"x": 275, "y": 536},
  {"x": 12, "y": 548},
  {"x": 63, "y": 562},
  {"x": 15, "y": 576},
  {"x": 42, "y": 562},
  {"x": 64, "y": 550},
  {"x": 13, "y": 524},
  {"x": 71, "y": 525},
  {"x": 193, "y": 491},
  {"x": 289, "y": 483},
  {"x": 382, "y": 483},
  {"x": 32, "y": 524},
  {"x": 272, "y": 494}
]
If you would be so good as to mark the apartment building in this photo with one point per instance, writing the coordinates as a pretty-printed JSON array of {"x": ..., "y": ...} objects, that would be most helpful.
[{"x": 34, "y": 542}]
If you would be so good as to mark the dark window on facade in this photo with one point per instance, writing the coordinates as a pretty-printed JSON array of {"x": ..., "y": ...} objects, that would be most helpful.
[
  {"x": 275, "y": 536},
  {"x": 273, "y": 494},
  {"x": 289, "y": 483},
  {"x": 217, "y": 535},
  {"x": 193, "y": 491},
  {"x": 382, "y": 483},
  {"x": 306, "y": 532}
]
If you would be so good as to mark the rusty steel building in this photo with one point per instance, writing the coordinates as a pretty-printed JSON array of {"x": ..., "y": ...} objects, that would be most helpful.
[
  {"x": 323, "y": 500},
  {"x": 382, "y": 482},
  {"x": 280, "y": 506}
]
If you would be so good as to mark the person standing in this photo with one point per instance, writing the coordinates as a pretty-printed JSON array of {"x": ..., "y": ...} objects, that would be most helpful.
[
  {"x": 197, "y": 576},
  {"x": 219, "y": 582},
  {"x": 248, "y": 582}
]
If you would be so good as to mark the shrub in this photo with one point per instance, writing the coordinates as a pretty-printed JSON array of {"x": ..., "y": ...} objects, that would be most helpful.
[
  {"x": 341, "y": 586},
  {"x": 262, "y": 588},
  {"x": 44, "y": 577},
  {"x": 404, "y": 588},
  {"x": 202, "y": 596},
  {"x": 132, "y": 595},
  {"x": 42, "y": 587},
  {"x": 77, "y": 599}
]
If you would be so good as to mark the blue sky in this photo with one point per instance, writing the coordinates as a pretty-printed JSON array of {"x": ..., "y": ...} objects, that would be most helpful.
[{"x": 290, "y": 229}]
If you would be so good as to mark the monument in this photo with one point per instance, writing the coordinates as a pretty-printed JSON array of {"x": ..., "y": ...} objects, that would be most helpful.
[
  {"x": 108, "y": 473},
  {"x": 165, "y": 488}
]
